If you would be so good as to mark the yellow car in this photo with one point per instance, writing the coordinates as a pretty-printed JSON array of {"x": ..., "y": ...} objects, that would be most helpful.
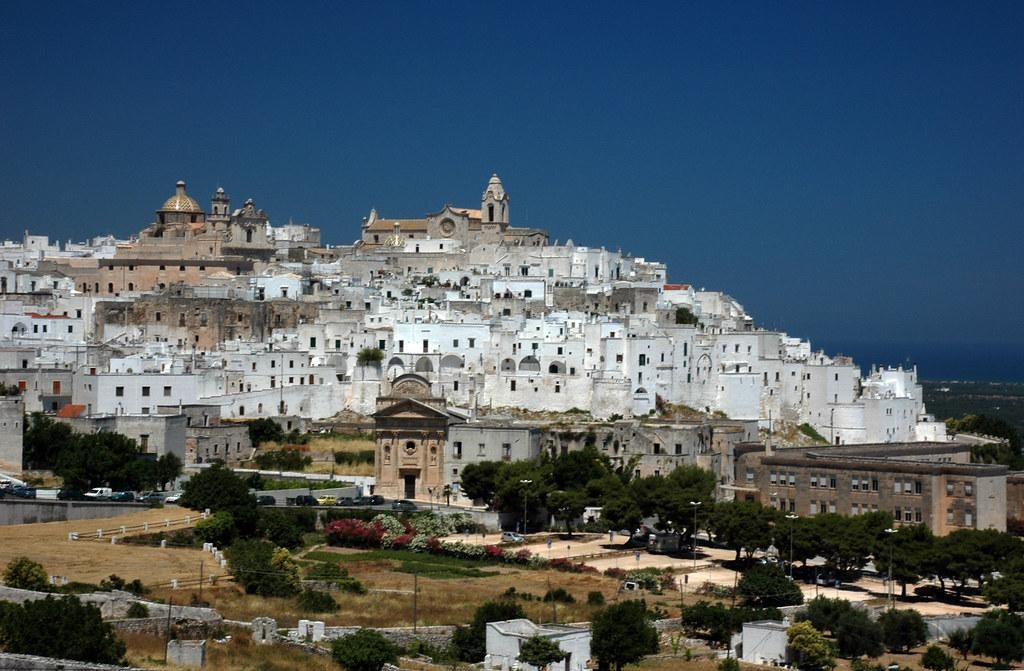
[{"x": 326, "y": 500}]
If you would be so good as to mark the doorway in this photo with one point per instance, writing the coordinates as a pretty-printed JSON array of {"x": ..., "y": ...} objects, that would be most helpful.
[{"x": 410, "y": 487}]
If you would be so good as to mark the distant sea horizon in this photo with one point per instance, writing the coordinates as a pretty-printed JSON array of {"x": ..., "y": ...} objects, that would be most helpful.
[{"x": 967, "y": 362}]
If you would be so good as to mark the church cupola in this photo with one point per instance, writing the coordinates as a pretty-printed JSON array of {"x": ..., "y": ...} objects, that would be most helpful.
[{"x": 495, "y": 203}]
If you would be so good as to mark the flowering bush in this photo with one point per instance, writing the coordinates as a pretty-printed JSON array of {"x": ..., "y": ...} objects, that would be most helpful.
[
  {"x": 354, "y": 533},
  {"x": 388, "y": 532}
]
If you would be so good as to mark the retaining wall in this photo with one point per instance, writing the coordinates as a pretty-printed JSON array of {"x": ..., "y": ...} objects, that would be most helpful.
[
  {"x": 31, "y": 511},
  {"x": 12, "y": 662}
]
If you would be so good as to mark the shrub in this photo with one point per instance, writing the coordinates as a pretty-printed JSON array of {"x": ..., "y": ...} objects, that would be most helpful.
[
  {"x": 314, "y": 601},
  {"x": 137, "y": 610},
  {"x": 218, "y": 528},
  {"x": 558, "y": 595},
  {"x": 365, "y": 650},
  {"x": 595, "y": 598},
  {"x": 23, "y": 573}
]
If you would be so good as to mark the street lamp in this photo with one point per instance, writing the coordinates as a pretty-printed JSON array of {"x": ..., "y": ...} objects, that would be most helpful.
[
  {"x": 890, "y": 531},
  {"x": 695, "y": 505},
  {"x": 792, "y": 523},
  {"x": 526, "y": 494}
]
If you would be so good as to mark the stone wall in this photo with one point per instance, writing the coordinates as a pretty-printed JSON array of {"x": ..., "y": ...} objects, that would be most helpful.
[
  {"x": 115, "y": 604},
  {"x": 32, "y": 511},
  {"x": 12, "y": 662}
]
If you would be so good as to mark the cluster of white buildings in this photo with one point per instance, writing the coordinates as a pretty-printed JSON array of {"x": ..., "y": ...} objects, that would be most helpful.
[{"x": 251, "y": 320}]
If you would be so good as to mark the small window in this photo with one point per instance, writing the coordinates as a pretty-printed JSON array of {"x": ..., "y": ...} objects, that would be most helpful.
[
  {"x": 145, "y": 391},
  {"x": 968, "y": 489},
  {"x": 167, "y": 391},
  {"x": 118, "y": 391}
]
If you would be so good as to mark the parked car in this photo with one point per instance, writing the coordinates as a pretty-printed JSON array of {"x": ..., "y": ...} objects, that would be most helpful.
[
  {"x": 123, "y": 497},
  {"x": 151, "y": 497},
  {"x": 404, "y": 505},
  {"x": 67, "y": 494},
  {"x": 345, "y": 501},
  {"x": 511, "y": 537},
  {"x": 361, "y": 501},
  {"x": 173, "y": 497},
  {"x": 24, "y": 491},
  {"x": 99, "y": 493},
  {"x": 305, "y": 500},
  {"x": 266, "y": 500},
  {"x": 326, "y": 500},
  {"x": 377, "y": 500}
]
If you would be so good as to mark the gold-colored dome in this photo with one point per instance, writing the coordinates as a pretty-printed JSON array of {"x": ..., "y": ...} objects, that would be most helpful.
[{"x": 180, "y": 201}]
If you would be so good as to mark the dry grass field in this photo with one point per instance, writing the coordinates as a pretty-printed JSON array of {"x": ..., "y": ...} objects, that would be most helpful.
[
  {"x": 322, "y": 451},
  {"x": 92, "y": 560},
  {"x": 237, "y": 654}
]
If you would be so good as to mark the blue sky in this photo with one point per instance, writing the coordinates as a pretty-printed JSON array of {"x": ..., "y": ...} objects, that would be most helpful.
[{"x": 848, "y": 171}]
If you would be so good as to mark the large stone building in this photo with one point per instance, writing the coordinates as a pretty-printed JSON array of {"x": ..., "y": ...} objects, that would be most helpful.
[
  {"x": 919, "y": 483},
  {"x": 465, "y": 226},
  {"x": 411, "y": 431}
]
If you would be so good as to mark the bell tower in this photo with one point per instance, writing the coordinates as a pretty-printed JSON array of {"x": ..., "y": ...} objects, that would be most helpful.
[
  {"x": 494, "y": 205},
  {"x": 220, "y": 209}
]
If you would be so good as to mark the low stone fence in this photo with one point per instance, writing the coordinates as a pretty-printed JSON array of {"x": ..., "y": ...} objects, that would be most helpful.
[
  {"x": 157, "y": 626},
  {"x": 115, "y": 604},
  {"x": 12, "y": 662},
  {"x": 113, "y": 533}
]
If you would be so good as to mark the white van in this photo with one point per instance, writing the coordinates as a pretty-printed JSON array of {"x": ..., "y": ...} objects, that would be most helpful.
[{"x": 99, "y": 493}]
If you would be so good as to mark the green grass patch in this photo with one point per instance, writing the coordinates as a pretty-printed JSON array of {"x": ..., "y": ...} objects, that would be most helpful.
[
  {"x": 402, "y": 556},
  {"x": 441, "y": 572},
  {"x": 809, "y": 431}
]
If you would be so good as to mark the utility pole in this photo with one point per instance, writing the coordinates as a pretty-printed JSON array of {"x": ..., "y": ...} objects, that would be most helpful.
[
  {"x": 526, "y": 497},
  {"x": 415, "y": 598},
  {"x": 201, "y": 583},
  {"x": 693, "y": 535},
  {"x": 167, "y": 637},
  {"x": 890, "y": 531},
  {"x": 792, "y": 523}
]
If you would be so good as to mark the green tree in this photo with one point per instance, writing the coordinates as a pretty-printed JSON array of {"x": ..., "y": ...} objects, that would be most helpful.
[
  {"x": 478, "y": 481},
  {"x": 961, "y": 641},
  {"x": 744, "y": 525},
  {"x": 105, "y": 458},
  {"x": 566, "y": 506},
  {"x": 811, "y": 647},
  {"x": 23, "y": 573},
  {"x": 937, "y": 659},
  {"x": 911, "y": 548},
  {"x": 168, "y": 468},
  {"x": 999, "y": 635},
  {"x": 858, "y": 635},
  {"x": 44, "y": 440},
  {"x": 264, "y": 430},
  {"x": 847, "y": 543},
  {"x": 539, "y": 651},
  {"x": 902, "y": 629},
  {"x": 720, "y": 622},
  {"x": 1007, "y": 590},
  {"x": 622, "y": 634},
  {"x": 470, "y": 643},
  {"x": 369, "y": 356},
  {"x": 365, "y": 650},
  {"x": 768, "y": 587},
  {"x": 64, "y": 628},
  {"x": 261, "y": 568},
  {"x": 824, "y": 613},
  {"x": 685, "y": 316},
  {"x": 219, "y": 489}
]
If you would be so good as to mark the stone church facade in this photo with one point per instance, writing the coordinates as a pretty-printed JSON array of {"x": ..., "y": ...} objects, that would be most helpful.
[{"x": 412, "y": 429}]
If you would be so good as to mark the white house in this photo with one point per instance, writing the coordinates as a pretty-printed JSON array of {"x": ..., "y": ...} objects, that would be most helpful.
[{"x": 504, "y": 639}]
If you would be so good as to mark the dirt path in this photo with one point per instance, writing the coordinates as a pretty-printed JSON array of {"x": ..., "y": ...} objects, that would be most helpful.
[{"x": 92, "y": 560}]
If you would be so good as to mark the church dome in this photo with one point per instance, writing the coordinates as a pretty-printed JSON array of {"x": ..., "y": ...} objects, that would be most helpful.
[{"x": 180, "y": 201}]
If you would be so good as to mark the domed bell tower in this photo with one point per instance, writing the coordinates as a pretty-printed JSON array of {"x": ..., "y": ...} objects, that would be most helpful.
[{"x": 495, "y": 204}]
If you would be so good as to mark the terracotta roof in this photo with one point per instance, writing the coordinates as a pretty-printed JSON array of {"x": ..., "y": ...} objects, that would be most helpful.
[
  {"x": 71, "y": 410},
  {"x": 388, "y": 225},
  {"x": 676, "y": 287},
  {"x": 472, "y": 214},
  {"x": 36, "y": 315}
]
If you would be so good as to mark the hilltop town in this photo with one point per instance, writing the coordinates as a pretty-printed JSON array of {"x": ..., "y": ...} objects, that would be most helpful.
[{"x": 508, "y": 381}]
